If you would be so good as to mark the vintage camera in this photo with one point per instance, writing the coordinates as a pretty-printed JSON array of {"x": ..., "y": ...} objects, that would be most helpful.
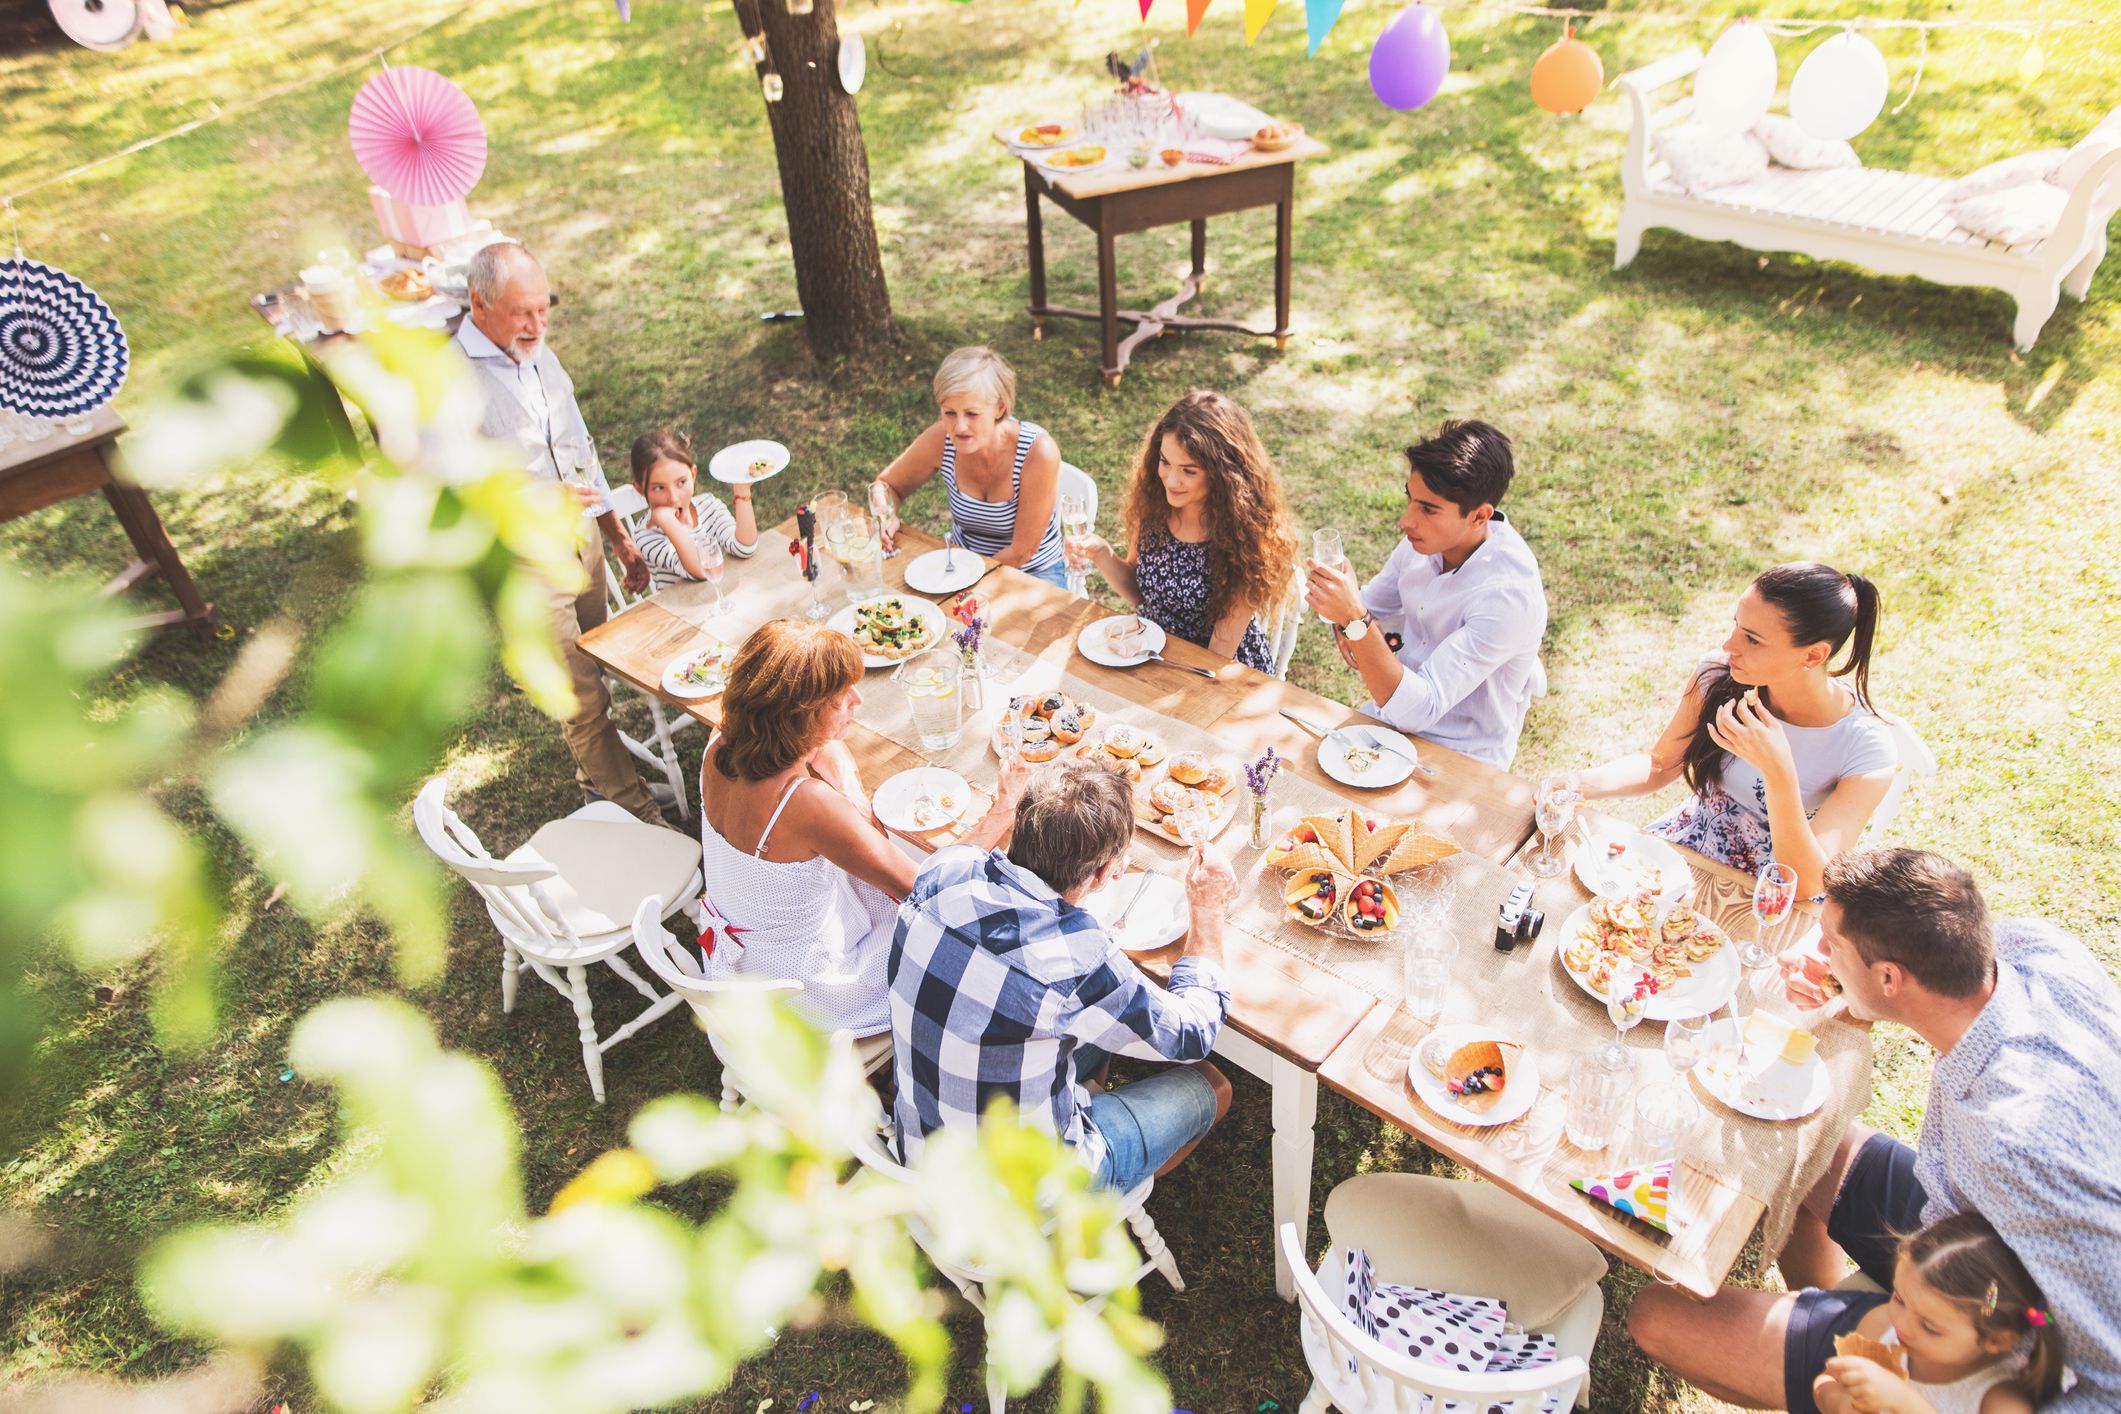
[{"x": 1517, "y": 921}]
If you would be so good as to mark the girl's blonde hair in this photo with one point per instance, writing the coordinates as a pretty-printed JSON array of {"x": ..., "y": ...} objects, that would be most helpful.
[
  {"x": 980, "y": 371},
  {"x": 1964, "y": 1260}
]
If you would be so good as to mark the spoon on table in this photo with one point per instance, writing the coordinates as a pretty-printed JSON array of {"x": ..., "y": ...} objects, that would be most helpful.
[{"x": 1154, "y": 657}]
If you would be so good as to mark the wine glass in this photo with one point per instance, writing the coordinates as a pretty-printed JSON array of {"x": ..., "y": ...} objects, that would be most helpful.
[
  {"x": 1553, "y": 810},
  {"x": 1326, "y": 548},
  {"x": 883, "y": 507},
  {"x": 712, "y": 562},
  {"x": 1686, "y": 1043},
  {"x": 1009, "y": 735},
  {"x": 1190, "y": 824},
  {"x": 1075, "y": 523},
  {"x": 1627, "y": 996},
  {"x": 1774, "y": 895}
]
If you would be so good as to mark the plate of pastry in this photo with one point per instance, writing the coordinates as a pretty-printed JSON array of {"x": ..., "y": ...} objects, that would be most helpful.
[
  {"x": 1051, "y": 721},
  {"x": 1187, "y": 780},
  {"x": 1695, "y": 967},
  {"x": 1469, "y": 1075}
]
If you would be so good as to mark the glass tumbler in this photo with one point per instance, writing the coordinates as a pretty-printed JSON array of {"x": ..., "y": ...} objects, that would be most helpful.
[{"x": 930, "y": 682}]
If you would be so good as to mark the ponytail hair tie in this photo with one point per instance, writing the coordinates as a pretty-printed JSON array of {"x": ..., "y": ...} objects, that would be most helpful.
[
  {"x": 1988, "y": 1301},
  {"x": 2034, "y": 1316}
]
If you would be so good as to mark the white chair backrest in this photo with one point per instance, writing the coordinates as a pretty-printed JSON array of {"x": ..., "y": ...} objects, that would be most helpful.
[
  {"x": 631, "y": 505},
  {"x": 1288, "y": 624},
  {"x": 674, "y": 963},
  {"x": 1916, "y": 759},
  {"x": 514, "y": 892},
  {"x": 1074, "y": 481},
  {"x": 1365, "y": 1377}
]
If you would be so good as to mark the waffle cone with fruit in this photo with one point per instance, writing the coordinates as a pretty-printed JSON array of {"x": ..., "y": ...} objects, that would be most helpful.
[
  {"x": 1477, "y": 1073},
  {"x": 1862, "y": 1347},
  {"x": 1414, "y": 849},
  {"x": 1315, "y": 895},
  {"x": 1332, "y": 834}
]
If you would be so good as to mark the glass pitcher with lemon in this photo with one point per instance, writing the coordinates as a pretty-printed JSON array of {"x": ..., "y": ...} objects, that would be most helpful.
[{"x": 931, "y": 683}]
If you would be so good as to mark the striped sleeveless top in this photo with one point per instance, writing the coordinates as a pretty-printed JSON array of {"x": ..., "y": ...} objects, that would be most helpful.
[{"x": 987, "y": 527}]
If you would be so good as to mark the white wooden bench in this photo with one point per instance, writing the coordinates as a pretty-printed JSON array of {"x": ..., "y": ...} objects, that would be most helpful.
[{"x": 1890, "y": 222}]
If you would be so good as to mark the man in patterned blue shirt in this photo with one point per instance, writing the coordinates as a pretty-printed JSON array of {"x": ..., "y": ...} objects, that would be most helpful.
[
  {"x": 2023, "y": 1126},
  {"x": 1003, "y": 986}
]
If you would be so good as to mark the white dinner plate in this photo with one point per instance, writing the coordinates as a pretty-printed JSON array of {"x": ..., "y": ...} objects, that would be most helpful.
[
  {"x": 1394, "y": 753},
  {"x": 1159, "y": 919},
  {"x": 733, "y": 464},
  {"x": 1763, "y": 1086},
  {"x": 1518, "y": 1094},
  {"x": 1713, "y": 982},
  {"x": 674, "y": 681},
  {"x": 1072, "y": 136},
  {"x": 928, "y": 613},
  {"x": 1043, "y": 159},
  {"x": 922, "y": 799},
  {"x": 925, "y": 572},
  {"x": 1091, "y": 643},
  {"x": 1644, "y": 861}
]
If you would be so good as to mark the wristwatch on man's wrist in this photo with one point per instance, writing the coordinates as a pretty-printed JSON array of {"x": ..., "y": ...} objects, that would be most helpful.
[{"x": 1357, "y": 630}]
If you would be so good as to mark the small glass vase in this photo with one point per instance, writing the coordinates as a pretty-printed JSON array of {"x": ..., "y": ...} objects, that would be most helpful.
[
  {"x": 974, "y": 683},
  {"x": 1262, "y": 819}
]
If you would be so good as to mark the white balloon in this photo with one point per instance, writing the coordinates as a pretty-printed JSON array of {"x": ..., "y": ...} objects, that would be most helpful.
[
  {"x": 1840, "y": 88},
  {"x": 1736, "y": 82}
]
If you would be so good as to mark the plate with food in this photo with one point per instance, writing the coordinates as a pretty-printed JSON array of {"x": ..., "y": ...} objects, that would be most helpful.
[
  {"x": 1273, "y": 137},
  {"x": 1469, "y": 1075},
  {"x": 1153, "y": 905},
  {"x": 745, "y": 462},
  {"x": 1050, "y": 721},
  {"x": 890, "y": 628},
  {"x": 1365, "y": 756},
  {"x": 699, "y": 672},
  {"x": 1186, "y": 780},
  {"x": 1080, "y": 158},
  {"x": 922, "y": 799},
  {"x": 1122, "y": 641},
  {"x": 1768, "y": 1069},
  {"x": 945, "y": 571},
  {"x": 1693, "y": 961},
  {"x": 1618, "y": 861},
  {"x": 1044, "y": 137}
]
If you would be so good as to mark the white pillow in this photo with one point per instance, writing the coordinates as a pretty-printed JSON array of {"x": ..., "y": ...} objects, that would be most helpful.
[
  {"x": 1791, "y": 146},
  {"x": 2014, "y": 216},
  {"x": 1704, "y": 159},
  {"x": 2089, "y": 149},
  {"x": 2010, "y": 172}
]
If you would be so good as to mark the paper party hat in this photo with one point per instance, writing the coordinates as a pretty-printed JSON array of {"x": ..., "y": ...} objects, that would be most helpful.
[{"x": 1644, "y": 1194}]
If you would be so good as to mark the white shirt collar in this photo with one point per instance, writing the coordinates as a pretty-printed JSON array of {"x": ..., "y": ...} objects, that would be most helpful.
[{"x": 476, "y": 344}]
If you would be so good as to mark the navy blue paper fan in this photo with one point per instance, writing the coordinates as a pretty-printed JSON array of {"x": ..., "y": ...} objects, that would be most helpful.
[{"x": 62, "y": 353}]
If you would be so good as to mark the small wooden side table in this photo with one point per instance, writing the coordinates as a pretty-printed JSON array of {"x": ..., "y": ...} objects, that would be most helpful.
[
  {"x": 34, "y": 475},
  {"x": 1117, "y": 203}
]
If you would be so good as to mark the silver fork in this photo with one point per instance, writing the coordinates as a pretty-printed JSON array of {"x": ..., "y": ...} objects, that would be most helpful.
[
  {"x": 1396, "y": 747},
  {"x": 1139, "y": 890},
  {"x": 950, "y": 550},
  {"x": 1204, "y": 672}
]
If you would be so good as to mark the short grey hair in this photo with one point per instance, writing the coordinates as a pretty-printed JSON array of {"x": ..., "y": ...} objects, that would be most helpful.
[
  {"x": 489, "y": 270},
  {"x": 1071, "y": 823}
]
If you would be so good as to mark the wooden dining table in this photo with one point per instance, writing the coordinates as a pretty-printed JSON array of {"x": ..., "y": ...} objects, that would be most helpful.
[{"x": 1295, "y": 1017}]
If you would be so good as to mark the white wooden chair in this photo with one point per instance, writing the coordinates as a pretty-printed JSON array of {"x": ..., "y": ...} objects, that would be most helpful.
[
  {"x": 1892, "y": 222},
  {"x": 566, "y": 899},
  {"x": 871, "y": 1151},
  {"x": 662, "y": 754},
  {"x": 681, "y": 972},
  {"x": 1916, "y": 759},
  {"x": 1074, "y": 481},
  {"x": 1470, "y": 1238},
  {"x": 1288, "y": 625}
]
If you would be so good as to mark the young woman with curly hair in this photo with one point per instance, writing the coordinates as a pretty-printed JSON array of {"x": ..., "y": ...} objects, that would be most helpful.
[{"x": 1210, "y": 550}]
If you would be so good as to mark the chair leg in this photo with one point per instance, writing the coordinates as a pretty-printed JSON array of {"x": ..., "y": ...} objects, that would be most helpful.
[
  {"x": 2078, "y": 283},
  {"x": 1627, "y": 240},
  {"x": 997, "y": 1391},
  {"x": 2035, "y": 304},
  {"x": 511, "y": 964},
  {"x": 668, "y": 750},
  {"x": 732, "y": 1098},
  {"x": 1155, "y": 1248},
  {"x": 1316, "y": 1401},
  {"x": 592, "y": 1056},
  {"x": 618, "y": 965}
]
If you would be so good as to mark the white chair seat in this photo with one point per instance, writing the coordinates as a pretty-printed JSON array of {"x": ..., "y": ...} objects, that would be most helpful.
[{"x": 607, "y": 864}]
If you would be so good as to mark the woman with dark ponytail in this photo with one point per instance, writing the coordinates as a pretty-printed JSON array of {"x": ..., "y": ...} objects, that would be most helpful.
[{"x": 1783, "y": 752}]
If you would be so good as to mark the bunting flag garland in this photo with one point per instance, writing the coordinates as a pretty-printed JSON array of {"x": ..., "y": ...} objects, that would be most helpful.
[
  {"x": 1256, "y": 13},
  {"x": 1145, "y": 10},
  {"x": 1194, "y": 10},
  {"x": 1319, "y": 16},
  {"x": 62, "y": 353}
]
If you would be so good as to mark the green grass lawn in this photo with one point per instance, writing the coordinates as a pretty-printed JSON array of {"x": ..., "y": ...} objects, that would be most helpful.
[{"x": 1680, "y": 426}]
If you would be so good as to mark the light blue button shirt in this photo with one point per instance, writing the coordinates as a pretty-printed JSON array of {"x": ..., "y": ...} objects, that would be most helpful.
[
  {"x": 2024, "y": 1127},
  {"x": 530, "y": 406}
]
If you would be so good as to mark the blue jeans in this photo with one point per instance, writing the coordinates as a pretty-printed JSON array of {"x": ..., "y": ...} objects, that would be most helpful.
[
  {"x": 1880, "y": 1198},
  {"x": 1055, "y": 573},
  {"x": 1145, "y": 1123}
]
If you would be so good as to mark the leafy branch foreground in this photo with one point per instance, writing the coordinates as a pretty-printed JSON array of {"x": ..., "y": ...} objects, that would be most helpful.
[{"x": 417, "y": 1273}]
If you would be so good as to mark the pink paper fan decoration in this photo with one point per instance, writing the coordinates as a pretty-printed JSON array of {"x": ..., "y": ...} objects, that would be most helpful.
[{"x": 417, "y": 136}]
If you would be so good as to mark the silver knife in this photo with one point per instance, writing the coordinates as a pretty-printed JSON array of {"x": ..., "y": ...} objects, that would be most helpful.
[{"x": 1397, "y": 746}]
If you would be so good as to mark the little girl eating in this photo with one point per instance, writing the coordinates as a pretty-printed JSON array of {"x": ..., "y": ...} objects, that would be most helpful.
[
  {"x": 1965, "y": 1321},
  {"x": 682, "y": 526}
]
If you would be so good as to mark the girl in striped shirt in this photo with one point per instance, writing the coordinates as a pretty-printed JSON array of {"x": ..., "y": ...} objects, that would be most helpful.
[{"x": 681, "y": 524}]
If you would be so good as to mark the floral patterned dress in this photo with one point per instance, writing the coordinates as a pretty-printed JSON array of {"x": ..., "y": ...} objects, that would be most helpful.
[{"x": 1171, "y": 575}]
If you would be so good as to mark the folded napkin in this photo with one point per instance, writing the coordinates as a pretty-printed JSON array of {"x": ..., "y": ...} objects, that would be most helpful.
[
  {"x": 1467, "y": 1334},
  {"x": 1644, "y": 1194}
]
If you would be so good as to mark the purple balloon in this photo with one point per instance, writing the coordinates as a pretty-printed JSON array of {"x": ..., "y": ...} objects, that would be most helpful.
[{"x": 1410, "y": 58}]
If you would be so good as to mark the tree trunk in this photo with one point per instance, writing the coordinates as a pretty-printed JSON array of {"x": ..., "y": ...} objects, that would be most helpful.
[{"x": 817, "y": 139}]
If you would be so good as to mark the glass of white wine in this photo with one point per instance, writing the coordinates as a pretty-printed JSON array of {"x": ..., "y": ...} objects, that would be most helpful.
[
  {"x": 1327, "y": 549},
  {"x": 1553, "y": 811},
  {"x": 883, "y": 506},
  {"x": 712, "y": 561},
  {"x": 1075, "y": 523}
]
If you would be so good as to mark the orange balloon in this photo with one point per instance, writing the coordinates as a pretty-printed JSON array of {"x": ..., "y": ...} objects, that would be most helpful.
[{"x": 1567, "y": 77}]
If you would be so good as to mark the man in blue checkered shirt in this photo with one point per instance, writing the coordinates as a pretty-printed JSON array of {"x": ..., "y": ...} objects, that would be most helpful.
[
  {"x": 2023, "y": 1126},
  {"x": 1003, "y": 986}
]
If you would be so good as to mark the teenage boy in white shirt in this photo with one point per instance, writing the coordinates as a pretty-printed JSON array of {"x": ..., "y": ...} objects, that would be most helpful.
[{"x": 1468, "y": 593}]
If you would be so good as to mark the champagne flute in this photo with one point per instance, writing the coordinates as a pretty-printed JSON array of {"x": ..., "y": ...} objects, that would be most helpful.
[
  {"x": 883, "y": 507},
  {"x": 1686, "y": 1043},
  {"x": 1326, "y": 548},
  {"x": 1191, "y": 825},
  {"x": 1553, "y": 810},
  {"x": 1075, "y": 523},
  {"x": 1774, "y": 895},
  {"x": 1627, "y": 996},
  {"x": 712, "y": 561}
]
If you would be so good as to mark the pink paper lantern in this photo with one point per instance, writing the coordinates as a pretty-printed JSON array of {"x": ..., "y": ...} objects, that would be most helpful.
[{"x": 417, "y": 136}]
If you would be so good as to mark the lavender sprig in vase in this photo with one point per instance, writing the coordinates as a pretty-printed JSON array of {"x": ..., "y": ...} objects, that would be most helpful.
[
  {"x": 974, "y": 682},
  {"x": 1259, "y": 780}
]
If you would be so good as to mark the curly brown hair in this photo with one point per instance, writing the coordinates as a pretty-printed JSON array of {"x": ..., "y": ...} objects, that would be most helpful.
[
  {"x": 784, "y": 676},
  {"x": 1251, "y": 543}
]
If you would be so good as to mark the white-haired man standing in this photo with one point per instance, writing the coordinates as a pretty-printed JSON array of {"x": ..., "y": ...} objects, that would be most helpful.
[{"x": 530, "y": 405}]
